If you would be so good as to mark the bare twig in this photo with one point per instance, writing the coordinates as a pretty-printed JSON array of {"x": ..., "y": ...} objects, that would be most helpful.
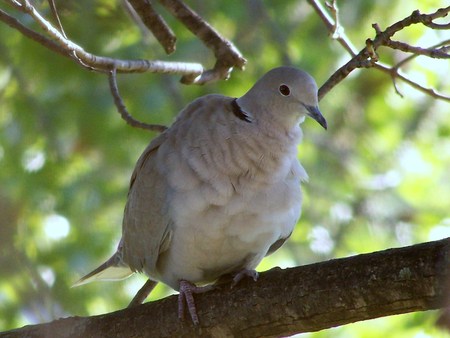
[
  {"x": 73, "y": 55},
  {"x": 56, "y": 16},
  {"x": 46, "y": 42},
  {"x": 66, "y": 47},
  {"x": 427, "y": 19},
  {"x": 358, "y": 61},
  {"x": 395, "y": 74},
  {"x": 227, "y": 55},
  {"x": 223, "y": 49},
  {"x": 437, "y": 25},
  {"x": 155, "y": 23},
  {"x": 413, "y": 56},
  {"x": 383, "y": 38},
  {"x": 123, "y": 110},
  {"x": 330, "y": 24},
  {"x": 143, "y": 293},
  {"x": 332, "y": 6},
  {"x": 368, "y": 56},
  {"x": 440, "y": 53}
]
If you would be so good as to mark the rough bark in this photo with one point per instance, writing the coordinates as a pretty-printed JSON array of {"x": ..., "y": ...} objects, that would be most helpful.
[{"x": 284, "y": 302}]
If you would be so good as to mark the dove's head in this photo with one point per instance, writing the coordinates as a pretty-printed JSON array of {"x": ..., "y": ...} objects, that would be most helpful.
[{"x": 285, "y": 95}]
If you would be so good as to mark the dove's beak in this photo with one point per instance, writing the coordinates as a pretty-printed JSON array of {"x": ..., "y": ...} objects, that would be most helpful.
[{"x": 314, "y": 112}]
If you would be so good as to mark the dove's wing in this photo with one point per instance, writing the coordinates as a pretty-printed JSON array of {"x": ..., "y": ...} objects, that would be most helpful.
[
  {"x": 146, "y": 229},
  {"x": 146, "y": 225}
]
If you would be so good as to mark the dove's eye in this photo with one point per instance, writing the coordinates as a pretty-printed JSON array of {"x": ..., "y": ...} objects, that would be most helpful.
[{"x": 284, "y": 90}]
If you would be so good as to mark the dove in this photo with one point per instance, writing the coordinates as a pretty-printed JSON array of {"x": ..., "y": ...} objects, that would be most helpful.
[{"x": 218, "y": 190}]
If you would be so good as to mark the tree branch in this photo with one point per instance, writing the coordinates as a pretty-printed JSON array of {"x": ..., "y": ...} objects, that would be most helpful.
[
  {"x": 155, "y": 23},
  {"x": 368, "y": 57},
  {"x": 55, "y": 14},
  {"x": 122, "y": 109},
  {"x": 226, "y": 53},
  {"x": 68, "y": 48},
  {"x": 337, "y": 31},
  {"x": 14, "y": 23},
  {"x": 283, "y": 302},
  {"x": 411, "y": 57}
]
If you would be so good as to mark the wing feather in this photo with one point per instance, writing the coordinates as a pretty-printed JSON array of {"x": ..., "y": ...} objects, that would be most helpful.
[{"x": 146, "y": 224}]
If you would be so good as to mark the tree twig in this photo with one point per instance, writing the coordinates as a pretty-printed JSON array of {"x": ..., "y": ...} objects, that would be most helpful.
[
  {"x": 396, "y": 74},
  {"x": 331, "y": 24},
  {"x": 437, "y": 53},
  {"x": 99, "y": 63},
  {"x": 46, "y": 42},
  {"x": 155, "y": 23},
  {"x": 332, "y": 6},
  {"x": 227, "y": 55},
  {"x": 401, "y": 63},
  {"x": 56, "y": 16},
  {"x": 143, "y": 293},
  {"x": 368, "y": 57},
  {"x": 123, "y": 110}
]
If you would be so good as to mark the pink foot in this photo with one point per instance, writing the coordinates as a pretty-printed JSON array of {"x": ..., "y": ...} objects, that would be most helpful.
[
  {"x": 244, "y": 273},
  {"x": 186, "y": 294}
]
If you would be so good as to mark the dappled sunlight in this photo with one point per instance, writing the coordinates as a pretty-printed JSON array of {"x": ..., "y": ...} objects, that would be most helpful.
[
  {"x": 56, "y": 227},
  {"x": 390, "y": 179},
  {"x": 440, "y": 231},
  {"x": 412, "y": 162},
  {"x": 320, "y": 240},
  {"x": 47, "y": 274},
  {"x": 33, "y": 160},
  {"x": 341, "y": 212}
]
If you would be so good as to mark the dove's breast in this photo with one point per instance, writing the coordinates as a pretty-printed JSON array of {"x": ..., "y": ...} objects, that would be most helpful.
[{"x": 233, "y": 193}]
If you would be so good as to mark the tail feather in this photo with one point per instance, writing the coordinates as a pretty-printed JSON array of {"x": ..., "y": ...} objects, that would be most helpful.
[{"x": 111, "y": 270}]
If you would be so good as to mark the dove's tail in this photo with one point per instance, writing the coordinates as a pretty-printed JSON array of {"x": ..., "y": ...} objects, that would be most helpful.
[{"x": 112, "y": 270}]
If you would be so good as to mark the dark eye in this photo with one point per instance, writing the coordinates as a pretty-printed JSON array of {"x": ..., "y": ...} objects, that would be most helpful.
[{"x": 284, "y": 90}]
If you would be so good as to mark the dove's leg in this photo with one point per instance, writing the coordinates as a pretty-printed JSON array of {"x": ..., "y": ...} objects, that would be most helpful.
[
  {"x": 186, "y": 294},
  {"x": 143, "y": 293},
  {"x": 244, "y": 273}
]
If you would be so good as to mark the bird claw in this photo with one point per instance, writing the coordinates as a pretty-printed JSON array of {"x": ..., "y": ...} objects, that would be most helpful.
[
  {"x": 244, "y": 273},
  {"x": 186, "y": 296}
]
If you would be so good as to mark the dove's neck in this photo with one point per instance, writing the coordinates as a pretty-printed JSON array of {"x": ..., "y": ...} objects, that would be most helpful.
[
  {"x": 269, "y": 117},
  {"x": 241, "y": 113}
]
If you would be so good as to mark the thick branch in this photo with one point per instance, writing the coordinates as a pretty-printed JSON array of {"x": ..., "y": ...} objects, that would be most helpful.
[{"x": 283, "y": 302}]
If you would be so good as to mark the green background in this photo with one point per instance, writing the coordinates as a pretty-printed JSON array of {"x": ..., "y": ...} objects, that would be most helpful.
[{"x": 379, "y": 177}]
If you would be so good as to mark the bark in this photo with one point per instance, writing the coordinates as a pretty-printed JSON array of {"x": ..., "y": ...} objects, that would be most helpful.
[{"x": 284, "y": 302}]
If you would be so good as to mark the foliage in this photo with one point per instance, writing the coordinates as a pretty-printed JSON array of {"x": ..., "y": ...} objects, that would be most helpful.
[{"x": 378, "y": 177}]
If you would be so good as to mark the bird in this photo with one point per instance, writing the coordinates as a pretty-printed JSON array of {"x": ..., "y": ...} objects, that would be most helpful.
[{"x": 218, "y": 190}]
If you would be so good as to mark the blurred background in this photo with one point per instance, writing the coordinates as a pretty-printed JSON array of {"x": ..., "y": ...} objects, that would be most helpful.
[{"x": 379, "y": 177}]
